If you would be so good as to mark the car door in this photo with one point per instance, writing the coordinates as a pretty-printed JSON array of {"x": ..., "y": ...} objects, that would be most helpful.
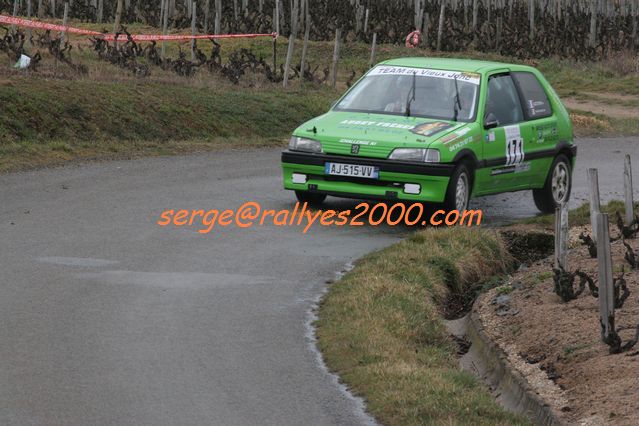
[
  {"x": 506, "y": 138},
  {"x": 539, "y": 130}
]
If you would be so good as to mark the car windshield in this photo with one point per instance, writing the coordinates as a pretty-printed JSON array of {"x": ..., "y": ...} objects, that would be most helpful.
[{"x": 389, "y": 90}]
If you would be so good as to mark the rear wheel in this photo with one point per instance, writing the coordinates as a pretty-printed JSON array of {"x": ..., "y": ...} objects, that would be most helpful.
[
  {"x": 557, "y": 188},
  {"x": 459, "y": 187},
  {"x": 310, "y": 198}
]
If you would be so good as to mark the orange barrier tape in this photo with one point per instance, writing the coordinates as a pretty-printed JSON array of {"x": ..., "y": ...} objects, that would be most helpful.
[
  {"x": 173, "y": 37},
  {"x": 20, "y": 22},
  {"x": 10, "y": 20}
]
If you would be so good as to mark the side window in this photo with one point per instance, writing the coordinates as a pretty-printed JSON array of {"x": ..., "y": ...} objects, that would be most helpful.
[
  {"x": 535, "y": 99},
  {"x": 503, "y": 101}
]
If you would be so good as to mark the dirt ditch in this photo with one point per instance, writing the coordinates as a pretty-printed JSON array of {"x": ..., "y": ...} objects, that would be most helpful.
[{"x": 557, "y": 346}]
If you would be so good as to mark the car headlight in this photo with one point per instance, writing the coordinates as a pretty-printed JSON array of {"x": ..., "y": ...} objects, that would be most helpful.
[
  {"x": 415, "y": 154},
  {"x": 304, "y": 144}
]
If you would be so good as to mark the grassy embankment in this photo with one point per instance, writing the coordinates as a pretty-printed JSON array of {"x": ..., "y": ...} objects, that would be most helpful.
[
  {"x": 54, "y": 115},
  {"x": 380, "y": 328},
  {"x": 46, "y": 122}
]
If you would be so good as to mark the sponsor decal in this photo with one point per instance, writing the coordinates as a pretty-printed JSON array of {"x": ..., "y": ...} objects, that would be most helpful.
[
  {"x": 431, "y": 128},
  {"x": 490, "y": 136},
  {"x": 519, "y": 168},
  {"x": 468, "y": 77},
  {"x": 462, "y": 143},
  {"x": 546, "y": 133},
  {"x": 514, "y": 145},
  {"x": 357, "y": 142},
  {"x": 537, "y": 107},
  {"x": 382, "y": 124},
  {"x": 454, "y": 136},
  {"x": 448, "y": 138}
]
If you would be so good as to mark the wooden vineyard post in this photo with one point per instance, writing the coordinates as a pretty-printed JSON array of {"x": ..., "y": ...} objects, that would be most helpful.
[
  {"x": 15, "y": 13},
  {"x": 65, "y": 17},
  {"x": 218, "y": 17},
  {"x": 627, "y": 186},
  {"x": 633, "y": 14},
  {"x": 193, "y": 21},
  {"x": 162, "y": 11},
  {"x": 373, "y": 50},
  {"x": 440, "y": 29},
  {"x": 307, "y": 32},
  {"x": 291, "y": 41},
  {"x": 531, "y": 17},
  {"x": 338, "y": 35},
  {"x": 277, "y": 16},
  {"x": 29, "y": 12},
  {"x": 498, "y": 36},
  {"x": 366, "y": 16},
  {"x": 425, "y": 29},
  {"x": 207, "y": 6},
  {"x": 595, "y": 206},
  {"x": 475, "y": 14},
  {"x": 593, "y": 23},
  {"x": 561, "y": 237},
  {"x": 606, "y": 294},
  {"x": 165, "y": 25},
  {"x": 118, "y": 17}
]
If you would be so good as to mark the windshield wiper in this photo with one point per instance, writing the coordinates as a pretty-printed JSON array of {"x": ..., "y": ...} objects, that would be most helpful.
[
  {"x": 457, "y": 105},
  {"x": 410, "y": 99}
]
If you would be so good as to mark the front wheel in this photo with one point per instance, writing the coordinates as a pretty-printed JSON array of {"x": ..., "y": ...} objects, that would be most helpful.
[
  {"x": 556, "y": 190},
  {"x": 459, "y": 187},
  {"x": 310, "y": 198}
]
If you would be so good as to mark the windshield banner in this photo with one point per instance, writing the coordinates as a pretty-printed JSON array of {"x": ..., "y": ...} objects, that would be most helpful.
[{"x": 425, "y": 72}]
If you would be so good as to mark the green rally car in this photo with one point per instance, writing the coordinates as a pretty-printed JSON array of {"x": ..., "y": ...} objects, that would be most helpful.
[{"x": 437, "y": 131}]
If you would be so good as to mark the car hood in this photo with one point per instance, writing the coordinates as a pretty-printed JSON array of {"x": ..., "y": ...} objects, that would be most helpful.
[{"x": 375, "y": 134}]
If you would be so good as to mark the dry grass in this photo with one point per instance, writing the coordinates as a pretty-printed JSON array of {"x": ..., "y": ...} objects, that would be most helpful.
[
  {"x": 622, "y": 63},
  {"x": 588, "y": 123},
  {"x": 581, "y": 215},
  {"x": 380, "y": 328}
]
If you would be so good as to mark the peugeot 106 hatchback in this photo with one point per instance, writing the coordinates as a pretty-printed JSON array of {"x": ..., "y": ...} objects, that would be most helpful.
[{"x": 437, "y": 131}]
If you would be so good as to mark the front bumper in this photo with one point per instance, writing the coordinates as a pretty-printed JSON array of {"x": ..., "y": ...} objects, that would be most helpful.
[{"x": 433, "y": 178}]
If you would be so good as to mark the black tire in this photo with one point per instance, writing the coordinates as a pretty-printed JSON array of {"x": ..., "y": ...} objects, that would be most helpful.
[
  {"x": 461, "y": 173},
  {"x": 310, "y": 198},
  {"x": 557, "y": 188}
]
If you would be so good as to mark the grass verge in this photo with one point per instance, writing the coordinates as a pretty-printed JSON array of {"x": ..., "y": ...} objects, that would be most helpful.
[
  {"x": 41, "y": 110},
  {"x": 581, "y": 215},
  {"x": 49, "y": 122},
  {"x": 380, "y": 328}
]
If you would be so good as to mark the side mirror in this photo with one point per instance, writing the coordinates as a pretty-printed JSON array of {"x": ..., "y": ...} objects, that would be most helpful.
[{"x": 490, "y": 121}]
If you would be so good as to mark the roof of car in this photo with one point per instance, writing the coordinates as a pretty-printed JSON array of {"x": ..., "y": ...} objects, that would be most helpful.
[{"x": 452, "y": 64}]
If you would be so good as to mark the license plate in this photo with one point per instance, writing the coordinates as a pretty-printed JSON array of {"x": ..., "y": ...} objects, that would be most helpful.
[{"x": 352, "y": 170}]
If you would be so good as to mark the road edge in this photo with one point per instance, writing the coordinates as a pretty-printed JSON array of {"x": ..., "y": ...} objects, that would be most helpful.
[{"x": 487, "y": 360}]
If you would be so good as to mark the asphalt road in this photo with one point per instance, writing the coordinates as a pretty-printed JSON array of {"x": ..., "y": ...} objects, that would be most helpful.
[{"x": 108, "y": 318}]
